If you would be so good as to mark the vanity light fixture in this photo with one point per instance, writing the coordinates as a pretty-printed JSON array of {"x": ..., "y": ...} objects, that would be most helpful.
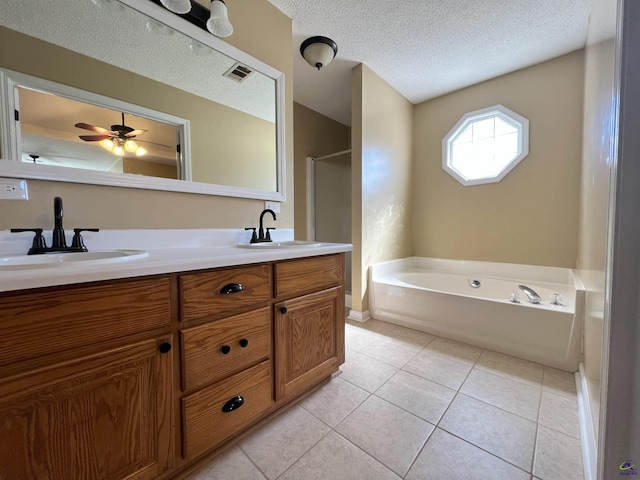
[
  {"x": 177, "y": 6},
  {"x": 318, "y": 51},
  {"x": 218, "y": 22}
]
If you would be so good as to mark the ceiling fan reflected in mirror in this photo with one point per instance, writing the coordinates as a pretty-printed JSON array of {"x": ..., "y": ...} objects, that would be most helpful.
[{"x": 118, "y": 140}]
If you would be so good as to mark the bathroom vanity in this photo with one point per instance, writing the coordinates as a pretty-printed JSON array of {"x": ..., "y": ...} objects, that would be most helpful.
[{"x": 142, "y": 376}]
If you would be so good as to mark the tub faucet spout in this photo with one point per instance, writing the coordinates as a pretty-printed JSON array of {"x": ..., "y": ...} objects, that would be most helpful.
[{"x": 531, "y": 294}]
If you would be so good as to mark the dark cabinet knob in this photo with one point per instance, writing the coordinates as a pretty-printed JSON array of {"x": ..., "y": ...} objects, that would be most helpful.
[
  {"x": 165, "y": 347},
  {"x": 233, "y": 404},
  {"x": 283, "y": 310},
  {"x": 231, "y": 288},
  {"x": 244, "y": 342},
  {"x": 225, "y": 349}
]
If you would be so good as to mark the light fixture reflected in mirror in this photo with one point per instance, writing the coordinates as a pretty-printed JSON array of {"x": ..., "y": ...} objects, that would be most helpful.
[
  {"x": 318, "y": 51},
  {"x": 219, "y": 23},
  {"x": 177, "y": 6}
]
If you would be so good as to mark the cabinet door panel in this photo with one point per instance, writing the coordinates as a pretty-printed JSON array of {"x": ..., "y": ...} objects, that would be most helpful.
[
  {"x": 309, "y": 340},
  {"x": 106, "y": 416}
]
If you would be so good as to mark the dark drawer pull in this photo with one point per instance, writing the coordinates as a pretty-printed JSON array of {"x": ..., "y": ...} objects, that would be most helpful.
[
  {"x": 233, "y": 404},
  {"x": 283, "y": 310},
  {"x": 244, "y": 342},
  {"x": 225, "y": 349},
  {"x": 165, "y": 347},
  {"x": 231, "y": 288}
]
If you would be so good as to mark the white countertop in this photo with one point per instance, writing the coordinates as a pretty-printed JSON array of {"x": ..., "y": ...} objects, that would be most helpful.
[{"x": 168, "y": 251}]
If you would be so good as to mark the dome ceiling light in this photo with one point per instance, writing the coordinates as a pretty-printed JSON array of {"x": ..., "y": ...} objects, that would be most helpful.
[{"x": 318, "y": 51}]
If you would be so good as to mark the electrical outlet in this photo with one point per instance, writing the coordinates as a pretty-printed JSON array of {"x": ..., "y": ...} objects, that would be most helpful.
[
  {"x": 275, "y": 206},
  {"x": 13, "y": 189}
]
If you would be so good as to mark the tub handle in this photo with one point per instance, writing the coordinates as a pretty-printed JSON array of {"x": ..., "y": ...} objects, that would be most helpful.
[{"x": 475, "y": 283}]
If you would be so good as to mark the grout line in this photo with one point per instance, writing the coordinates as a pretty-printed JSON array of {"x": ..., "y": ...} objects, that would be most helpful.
[{"x": 306, "y": 451}]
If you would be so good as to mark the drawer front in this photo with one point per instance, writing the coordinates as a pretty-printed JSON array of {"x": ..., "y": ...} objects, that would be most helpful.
[
  {"x": 202, "y": 294},
  {"x": 205, "y": 423},
  {"x": 215, "y": 350},
  {"x": 307, "y": 275},
  {"x": 46, "y": 322}
]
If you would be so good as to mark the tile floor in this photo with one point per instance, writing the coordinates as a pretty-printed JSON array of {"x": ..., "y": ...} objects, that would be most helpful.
[{"x": 414, "y": 406}]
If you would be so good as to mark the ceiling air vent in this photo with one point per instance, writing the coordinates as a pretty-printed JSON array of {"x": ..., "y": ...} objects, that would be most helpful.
[{"x": 238, "y": 72}]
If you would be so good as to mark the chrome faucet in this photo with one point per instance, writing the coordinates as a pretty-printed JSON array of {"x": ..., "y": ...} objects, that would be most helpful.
[
  {"x": 58, "y": 240},
  {"x": 531, "y": 294},
  {"x": 262, "y": 236}
]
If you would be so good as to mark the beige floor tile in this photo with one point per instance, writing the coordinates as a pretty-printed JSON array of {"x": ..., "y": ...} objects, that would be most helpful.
[
  {"x": 336, "y": 458},
  {"x": 438, "y": 369},
  {"x": 348, "y": 353},
  {"x": 446, "y": 457},
  {"x": 386, "y": 432},
  {"x": 504, "y": 434},
  {"x": 557, "y": 456},
  {"x": 426, "y": 399},
  {"x": 373, "y": 325},
  {"x": 502, "y": 392},
  {"x": 409, "y": 336},
  {"x": 356, "y": 339},
  {"x": 458, "y": 351},
  {"x": 332, "y": 402},
  {"x": 511, "y": 367},
  {"x": 560, "y": 413},
  {"x": 391, "y": 352},
  {"x": 559, "y": 382},
  {"x": 231, "y": 464},
  {"x": 366, "y": 372},
  {"x": 282, "y": 441}
]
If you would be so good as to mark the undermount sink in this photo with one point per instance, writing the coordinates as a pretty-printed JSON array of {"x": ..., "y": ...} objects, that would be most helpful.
[
  {"x": 287, "y": 244},
  {"x": 16, "y": 262}
]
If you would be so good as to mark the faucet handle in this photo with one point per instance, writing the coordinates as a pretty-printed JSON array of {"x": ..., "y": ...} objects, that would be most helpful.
[
  {"x": 77, "y": 241},
  {"x": 268, "y": 235},
  {"x": 254, "y": 236},
  {"x": 38, "y": 239}
]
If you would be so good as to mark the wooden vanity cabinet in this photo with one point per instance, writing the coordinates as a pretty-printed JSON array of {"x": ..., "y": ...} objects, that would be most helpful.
[
  {"x": 139, "y": 379},
  {"x": 86, "y": 382}
]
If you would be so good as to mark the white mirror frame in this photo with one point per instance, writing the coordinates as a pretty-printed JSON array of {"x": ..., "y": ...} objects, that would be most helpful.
[{"x": 14, "y": 167}]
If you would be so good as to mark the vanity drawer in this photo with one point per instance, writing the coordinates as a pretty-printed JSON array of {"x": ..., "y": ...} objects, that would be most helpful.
[
  {"x": 296, "y": 277},
  {"x": 37, "y": 323},
  {"x": 203, "y": 293},
  {"x": 215, "y": 350},
  {"x": 205, "y": 422}
]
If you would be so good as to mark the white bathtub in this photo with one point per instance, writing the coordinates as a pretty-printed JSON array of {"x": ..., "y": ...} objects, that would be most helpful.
[{"x": 436, "y": 296}]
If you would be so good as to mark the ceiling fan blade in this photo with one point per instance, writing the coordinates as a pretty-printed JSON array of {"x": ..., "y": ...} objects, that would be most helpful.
[
  {"x": 93, "y": 128},
  {"x": 94, "y": 138},
  {"x": 134, "y": 133}
]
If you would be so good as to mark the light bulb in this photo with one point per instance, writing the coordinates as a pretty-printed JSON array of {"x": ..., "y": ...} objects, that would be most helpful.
[
  {"x": 140, "y": 152},
  {"x": 130, "y": 146},
  {"x": 107, "y": 143},
  {"x": 218, "y": 23},
  {"x": 177, "y": 6},
  {"x": 118, "y": 150}
]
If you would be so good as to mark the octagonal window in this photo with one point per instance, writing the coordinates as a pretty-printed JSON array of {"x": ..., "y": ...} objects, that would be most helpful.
[{"x": 485, "y": 145}]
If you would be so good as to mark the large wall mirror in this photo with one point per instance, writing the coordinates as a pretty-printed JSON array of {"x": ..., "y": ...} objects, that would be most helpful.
[{"x": 126, "y": 93}]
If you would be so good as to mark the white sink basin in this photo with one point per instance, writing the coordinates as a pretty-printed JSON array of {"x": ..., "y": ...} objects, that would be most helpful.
[
  {"x": 287, "y": 244},
  {"x": 17, "y": 262}
]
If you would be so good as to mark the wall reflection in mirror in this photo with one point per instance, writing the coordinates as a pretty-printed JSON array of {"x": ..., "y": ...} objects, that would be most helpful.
[{"x": 143, "y": 69}]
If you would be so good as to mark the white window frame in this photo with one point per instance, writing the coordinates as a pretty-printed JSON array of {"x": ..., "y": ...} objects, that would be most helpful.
[{"x": 502, "y": 112}]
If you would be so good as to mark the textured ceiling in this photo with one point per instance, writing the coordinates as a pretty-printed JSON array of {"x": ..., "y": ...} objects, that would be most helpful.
[{"x": 426, "y": 48}]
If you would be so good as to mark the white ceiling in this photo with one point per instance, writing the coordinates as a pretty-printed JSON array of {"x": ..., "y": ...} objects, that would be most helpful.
[{"x": 427, "y": 48}]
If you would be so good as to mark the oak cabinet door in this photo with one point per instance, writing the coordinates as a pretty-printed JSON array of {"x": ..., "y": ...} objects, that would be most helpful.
[
  {"x": 105, "y": 416},
  {"x": 309, "y": 345}
]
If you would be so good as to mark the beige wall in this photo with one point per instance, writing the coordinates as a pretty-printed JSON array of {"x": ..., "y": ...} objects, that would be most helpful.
[
  {"x": 594, "y": 204},
  {"x": 315, "y": 136},
  {"x": 531, "y": 216},
  {"x": 151, "y": 209},
  {"x": 381, "y": 177}
]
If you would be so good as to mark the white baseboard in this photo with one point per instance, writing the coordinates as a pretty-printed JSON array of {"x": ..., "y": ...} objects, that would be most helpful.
[
  {"x": 359, "y": 316},
  {"x": 347, "y": 300},
  {"x": 587, "y": 435}
]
